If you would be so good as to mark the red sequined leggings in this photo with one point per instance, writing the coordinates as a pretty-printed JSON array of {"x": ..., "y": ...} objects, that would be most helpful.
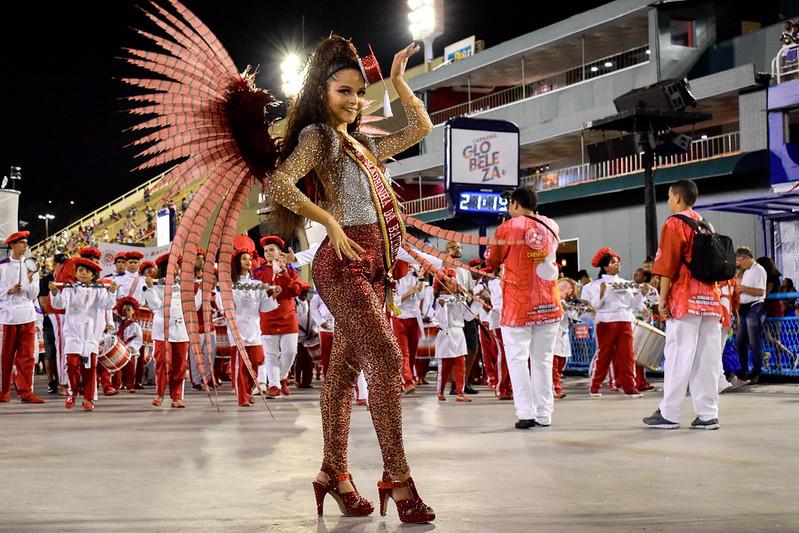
[{"x": 354, "y": 291}]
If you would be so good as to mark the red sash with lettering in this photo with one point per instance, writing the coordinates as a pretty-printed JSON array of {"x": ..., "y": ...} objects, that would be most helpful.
[{"x": 386, "y": 205}]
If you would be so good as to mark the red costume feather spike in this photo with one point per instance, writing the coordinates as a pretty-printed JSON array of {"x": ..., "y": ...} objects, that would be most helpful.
[{"x": 212, "y": 117}]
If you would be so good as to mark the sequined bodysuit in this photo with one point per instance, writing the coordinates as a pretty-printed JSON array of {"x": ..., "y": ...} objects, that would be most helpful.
[{"x": 354, "y": 291}]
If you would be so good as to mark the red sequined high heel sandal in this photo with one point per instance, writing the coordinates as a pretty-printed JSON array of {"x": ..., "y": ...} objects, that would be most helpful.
[
  {"x": 412, "y": 510},
  {"x": 350, "y": 503}
]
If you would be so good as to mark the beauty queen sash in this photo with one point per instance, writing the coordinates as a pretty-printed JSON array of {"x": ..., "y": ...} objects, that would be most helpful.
[{"x": 388, "y": 214}]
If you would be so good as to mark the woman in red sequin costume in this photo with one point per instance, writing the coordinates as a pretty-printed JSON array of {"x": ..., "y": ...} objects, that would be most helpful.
[{"x": 343, "y": 186}]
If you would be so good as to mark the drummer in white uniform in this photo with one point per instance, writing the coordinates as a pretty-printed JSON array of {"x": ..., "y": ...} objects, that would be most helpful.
[
  {"x": 614, "y": 301},
  {"x": 250, "y": 298},
  {"x": 450, "y": 341},
  {"x": 84, "y": 324}
]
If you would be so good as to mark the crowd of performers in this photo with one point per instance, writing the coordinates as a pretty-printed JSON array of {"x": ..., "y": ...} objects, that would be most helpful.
[{"x": 504, "y": 322}]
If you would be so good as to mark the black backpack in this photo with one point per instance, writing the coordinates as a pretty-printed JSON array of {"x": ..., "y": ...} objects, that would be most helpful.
[{"x": 712, "y": 254}]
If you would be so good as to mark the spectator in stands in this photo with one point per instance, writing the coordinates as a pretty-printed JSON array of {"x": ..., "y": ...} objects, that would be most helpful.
[
  {"x": 184, "y": 204},
  {"x": 790, "y": 303},
  {"x": 146, "y": 194},
  {"x": 753, "y": 280}
]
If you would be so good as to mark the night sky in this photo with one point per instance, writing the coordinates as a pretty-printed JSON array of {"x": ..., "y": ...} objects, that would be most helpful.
[{"x": 60, "y": 107}]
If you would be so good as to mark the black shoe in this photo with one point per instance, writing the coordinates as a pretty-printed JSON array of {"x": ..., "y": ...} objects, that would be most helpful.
[
  {"x": 52, "y": 387},
  {"x": 452, "y": 389},
  {"x": 525, "y": 424},
  {"x": 138, "y": 386},
  {"x": 658, "y": 422},
  {"x": 468, "y": 389},
  {"x": 713, "y": 423}
]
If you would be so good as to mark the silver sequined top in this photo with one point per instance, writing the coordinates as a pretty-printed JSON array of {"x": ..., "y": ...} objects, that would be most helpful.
[{"x": 349, "y": 198}]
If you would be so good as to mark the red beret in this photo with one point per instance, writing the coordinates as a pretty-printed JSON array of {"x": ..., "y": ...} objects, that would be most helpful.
[
  {"x": 487, "y": 270},
  {"x": 126, "y": 300},
  {"x": 146, "y": 265},
  {"x": 120, "y": 255},
  {"x": 272, "y": 239},
  {"x": 87, "y": 263},
  {"x": 602, "y": 252},
  {"x": 400, "y": 269},
  {"x": 89, "y": 252},
  {"x": 135, "y": 255},
  {"x": 304, "y": 287},
  {"x": 237, "y": 252},
  {"x": 475, "y": 262},
  {"x": 201, "y": 251},
  {"x": 162, "y": 259},
  {"x": 18, "y": 236}
]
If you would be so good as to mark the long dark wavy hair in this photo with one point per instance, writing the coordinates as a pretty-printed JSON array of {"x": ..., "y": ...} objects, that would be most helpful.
[{"x": 330, "y": 56}]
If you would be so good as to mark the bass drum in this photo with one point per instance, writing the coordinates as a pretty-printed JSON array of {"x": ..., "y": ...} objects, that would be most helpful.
[{"x": 648, "y": 345}]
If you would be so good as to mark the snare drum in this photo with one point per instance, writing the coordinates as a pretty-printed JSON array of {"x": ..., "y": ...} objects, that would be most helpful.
[
  {"x": 222, "y": 340},
  {"x": 427, "y": 343},
  {"x": 648, "y": 345},
  {"x": 115, "y": 355},
  {"x": 144, "y": 317}
]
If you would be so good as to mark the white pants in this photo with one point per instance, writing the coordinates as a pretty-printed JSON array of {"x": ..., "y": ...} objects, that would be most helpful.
[
  {"x": 60, "y": 357},
  {"x": 279, "y": 354},
  {"x": 208, "y": 355},
  {"x": 532, "y": 387},
  {"x": 362, "y": 388},
  {"x": 692, "y": 361}
]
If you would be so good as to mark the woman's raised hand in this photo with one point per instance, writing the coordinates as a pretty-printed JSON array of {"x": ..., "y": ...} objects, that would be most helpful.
[{"x": 401, "y": 60}]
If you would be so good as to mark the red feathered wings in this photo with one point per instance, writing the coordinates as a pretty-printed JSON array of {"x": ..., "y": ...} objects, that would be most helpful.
[{"x": 199, "y": 107}]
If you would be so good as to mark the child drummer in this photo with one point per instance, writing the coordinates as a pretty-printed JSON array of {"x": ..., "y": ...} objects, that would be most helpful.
[
  {"x": 85, "y": 304},
  {"x": 450, "y": 341},
  {"x": 130, "y": 332}
]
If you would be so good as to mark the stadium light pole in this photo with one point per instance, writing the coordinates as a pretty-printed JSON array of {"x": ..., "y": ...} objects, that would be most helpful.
[
  {"x": 425, "y": 17},
  {"x": 47, "y": 217},
  {"x": 291, "y": 75}
]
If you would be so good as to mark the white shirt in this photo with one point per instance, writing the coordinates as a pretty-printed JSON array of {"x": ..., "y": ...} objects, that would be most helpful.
[
  {"x": 450, "y": 340},
  {"x": 305, "y": 321},
  {"x": 320, "y": 315},
  {"x": 132, "y": 285},
  {"x": 465, "y": 280},
  {"x": 17, "y": 308},
  {"x": 482, "y": 312},
  {"x": 84, "y": 317},
  {"x": 616, "y": 305},
  {"x": 409, "y": 308},
  {"x": 754, "y": 277},
  {"x": 133, "y": 336},
  {"x": 154, "y": 297},
  {"x": 249, "y": 304},
  {"x": 494, "y": 316}
]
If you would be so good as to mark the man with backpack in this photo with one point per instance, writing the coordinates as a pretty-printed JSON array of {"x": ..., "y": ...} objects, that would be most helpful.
[{"x": 689, "y": 301}]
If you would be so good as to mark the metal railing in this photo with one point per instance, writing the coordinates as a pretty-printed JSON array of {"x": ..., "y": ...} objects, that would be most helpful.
[
  {"x": 115, "y": 204},
  {"x": 425, "y": 205},
  {"x": 701, "y": 150},
  {"x": 594, "y": 69},
  {"x": 785, "y": 65}
]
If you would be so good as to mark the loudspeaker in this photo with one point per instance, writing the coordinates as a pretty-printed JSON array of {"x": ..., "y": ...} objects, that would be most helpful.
[
  {"x": 667, "y": 95},
  {"x": 611, "y": 149},
  {"x": 673, "y": 144}
]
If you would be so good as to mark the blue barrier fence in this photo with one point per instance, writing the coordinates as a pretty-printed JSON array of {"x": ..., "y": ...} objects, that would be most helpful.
[{"x": 780, "y": 344}]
